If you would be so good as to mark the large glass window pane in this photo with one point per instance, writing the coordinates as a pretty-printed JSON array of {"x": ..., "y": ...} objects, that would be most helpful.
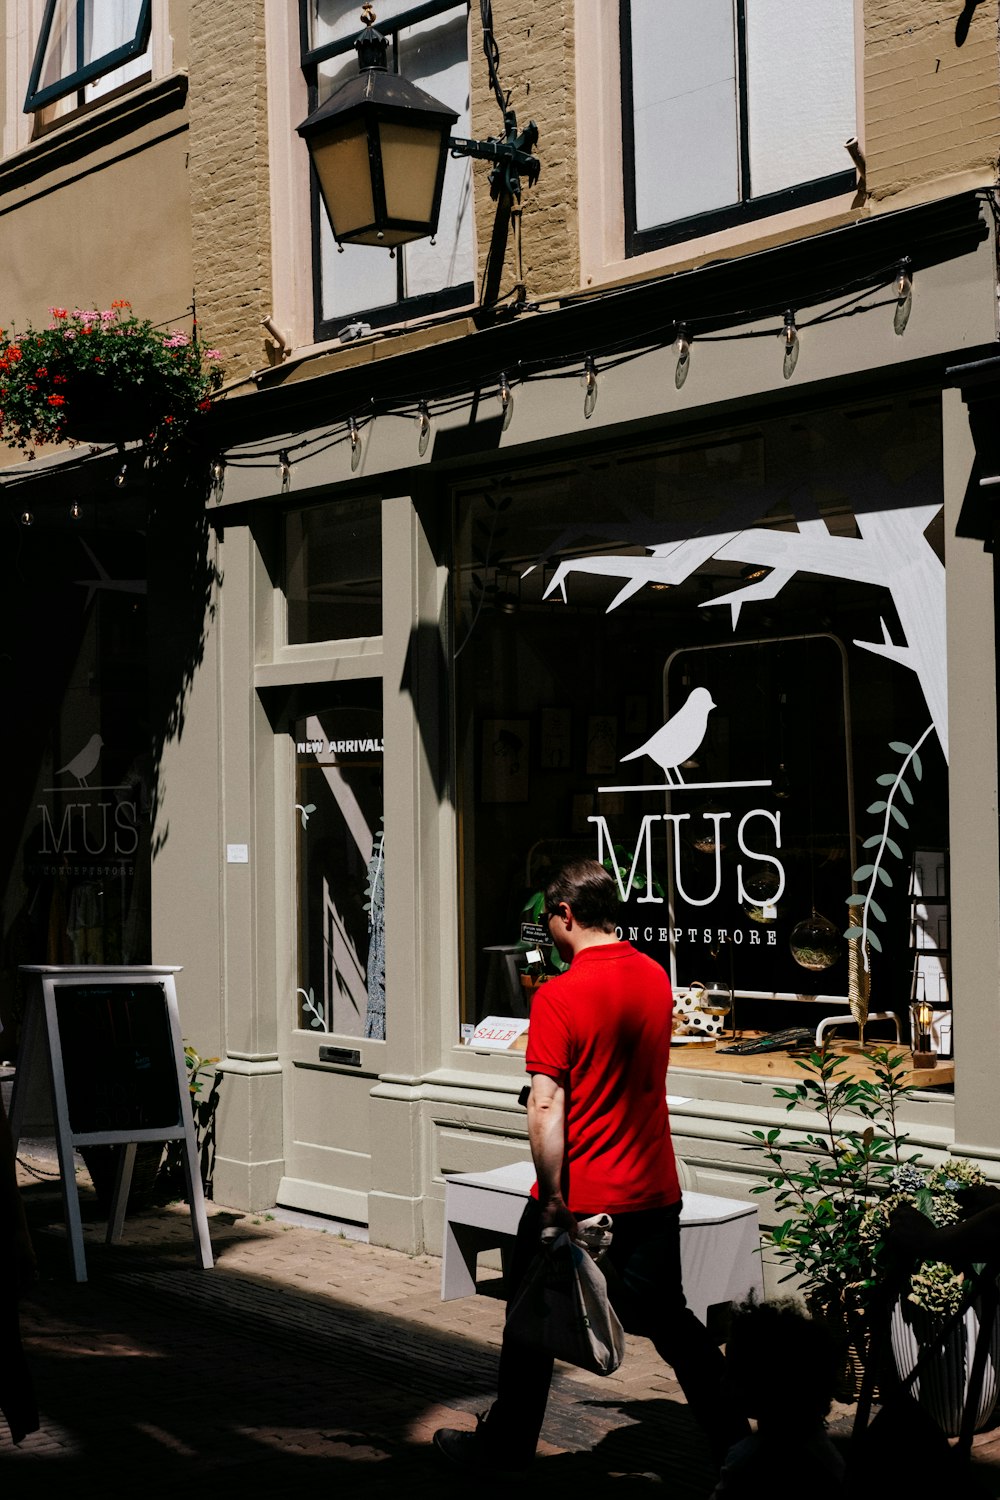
[
  {"x": 82, "y": 34},
  {"x": 80, "y": 783},
  {"x": 333, "y": 571},
  {"x": 800, "y": 90},
  {"x": 435, "y": 56},
  {"x": 707, "y": 666},
  {"x": 685, "y": 109},
  {"x": 340, "y": 863}
]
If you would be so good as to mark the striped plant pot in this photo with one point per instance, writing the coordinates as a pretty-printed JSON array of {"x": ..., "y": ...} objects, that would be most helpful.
[{"x": 943, "y": 1382}]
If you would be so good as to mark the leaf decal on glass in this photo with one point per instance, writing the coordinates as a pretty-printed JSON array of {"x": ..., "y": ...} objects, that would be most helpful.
[{"x": 863, "y": 904}]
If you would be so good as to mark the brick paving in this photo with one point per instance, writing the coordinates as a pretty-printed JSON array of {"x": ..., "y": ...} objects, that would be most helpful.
[{"x": 307, "y": 1360}]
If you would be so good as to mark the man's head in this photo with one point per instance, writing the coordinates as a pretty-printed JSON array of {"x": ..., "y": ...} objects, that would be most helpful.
[{"x": 589, "y": 891}]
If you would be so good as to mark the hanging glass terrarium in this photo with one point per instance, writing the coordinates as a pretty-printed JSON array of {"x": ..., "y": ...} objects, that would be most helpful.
[
  {"x": 815, "y": 943},
  {"x": 761, "y": 890}
]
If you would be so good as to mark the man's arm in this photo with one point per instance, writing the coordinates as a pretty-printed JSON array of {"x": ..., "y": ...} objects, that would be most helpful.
[{"x": 547, "y": 1138}]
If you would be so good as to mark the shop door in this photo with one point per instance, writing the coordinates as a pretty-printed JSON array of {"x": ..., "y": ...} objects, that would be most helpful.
[{"x": 336, "y": 1015}]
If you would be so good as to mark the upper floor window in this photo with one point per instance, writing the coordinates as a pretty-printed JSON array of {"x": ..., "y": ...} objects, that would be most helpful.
[
  {"x": 85, "y": 50},
  {"x": 733, "y": 110},
  {"x": 429, "y": 44}
]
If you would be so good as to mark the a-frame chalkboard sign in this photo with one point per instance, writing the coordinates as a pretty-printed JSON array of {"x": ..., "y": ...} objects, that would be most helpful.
[{"x": 112, "y": 1040}]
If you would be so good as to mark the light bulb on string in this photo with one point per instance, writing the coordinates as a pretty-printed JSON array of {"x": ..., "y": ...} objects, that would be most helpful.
[
  {"x": 682, "y": 353},
  {"x": 355, "y": 432},
  {"x": 218, "y": 472},
  {"x": 27, "y": 518},
  {"x": 423, "y": 427},
  {"x": 506, "y": 396},
  {"x": 121, "y": 478},
  {"x": 75, "y": 511},
  {"x": 285, "y": 470},
  {"x": 589, "y": 383},
  {"x": 904, "y": 296},
  {"x": 790, "y": 337}
]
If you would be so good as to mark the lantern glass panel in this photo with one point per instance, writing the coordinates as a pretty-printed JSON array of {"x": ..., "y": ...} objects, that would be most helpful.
[
  {"x": 345, "y": 177},
  {"x": 411, "y": 156}
]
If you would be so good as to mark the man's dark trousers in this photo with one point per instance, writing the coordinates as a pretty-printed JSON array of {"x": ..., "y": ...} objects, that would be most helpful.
[{"x": 647, "y": 1293}]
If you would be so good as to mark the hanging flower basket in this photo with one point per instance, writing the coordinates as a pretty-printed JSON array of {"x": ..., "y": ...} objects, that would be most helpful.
[
  {"x": 101, "y": 377},
  {"x": 97, "y": 410}
]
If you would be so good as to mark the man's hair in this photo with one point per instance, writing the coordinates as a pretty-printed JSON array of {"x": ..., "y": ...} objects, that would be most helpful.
[{"x": 589, "y": 890}]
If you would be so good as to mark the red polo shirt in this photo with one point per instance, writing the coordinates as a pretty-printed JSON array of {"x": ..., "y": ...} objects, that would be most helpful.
[{"x": 602, "y": 1030}]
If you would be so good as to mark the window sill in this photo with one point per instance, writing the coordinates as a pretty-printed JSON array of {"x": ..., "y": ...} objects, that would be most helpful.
[
  {"x": 729, "y": 244},
  {"x": 89, "y": 132}
]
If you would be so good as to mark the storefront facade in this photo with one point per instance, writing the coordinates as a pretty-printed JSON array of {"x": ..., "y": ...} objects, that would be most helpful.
[
  {"x": 720, "y": 627},
  {"x": 681, "y": 559}
]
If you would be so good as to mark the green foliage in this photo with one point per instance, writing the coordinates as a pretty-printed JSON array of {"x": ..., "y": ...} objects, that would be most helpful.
[
  {"x": 45, "y": 373},
  {"x": 825, "y": 1181},
  {"x": 839, "y": 1186}
]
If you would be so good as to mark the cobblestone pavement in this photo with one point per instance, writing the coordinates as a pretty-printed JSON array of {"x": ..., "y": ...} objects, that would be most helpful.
[{"x": 306, "y": 1360}]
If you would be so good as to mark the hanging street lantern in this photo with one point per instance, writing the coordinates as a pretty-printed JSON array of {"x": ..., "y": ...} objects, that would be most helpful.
[{"x": 379, "y": 146}]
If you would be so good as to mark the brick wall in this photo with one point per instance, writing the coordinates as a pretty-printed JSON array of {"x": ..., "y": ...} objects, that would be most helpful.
[
  {"x": 228, "y": 171},
  {"x": 932, "y": 106},
  {"x": 537, "y": 69}
]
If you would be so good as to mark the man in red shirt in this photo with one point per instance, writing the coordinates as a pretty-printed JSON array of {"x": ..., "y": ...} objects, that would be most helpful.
[{"x": 599, "y": 1132}]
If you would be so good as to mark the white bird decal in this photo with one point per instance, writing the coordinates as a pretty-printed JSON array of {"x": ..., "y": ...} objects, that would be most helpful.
[
  {"x": 85, "y": 760},
  {"x": 679, "y": 737}
]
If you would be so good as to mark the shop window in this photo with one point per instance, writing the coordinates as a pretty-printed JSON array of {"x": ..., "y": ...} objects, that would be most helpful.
[
  {"x": 732, "y": 110},
  {"x": 340, "y": 861},
  {"x": 86, "y": 49},
  {"x": 429, "y": 46},
  {"x": 333, "y": 571},
  {"x": 79, "y": 795},
  {"x": 720, "y": 669}
]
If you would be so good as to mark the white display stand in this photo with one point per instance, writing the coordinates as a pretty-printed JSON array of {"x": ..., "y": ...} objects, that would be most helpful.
[
  {"x": 720, "y": 1239},
  {"x": 147, "y": 1101}
]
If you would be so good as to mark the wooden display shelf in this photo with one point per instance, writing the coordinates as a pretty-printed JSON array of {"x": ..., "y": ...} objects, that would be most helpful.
[{"x": 703, "y": 1057}]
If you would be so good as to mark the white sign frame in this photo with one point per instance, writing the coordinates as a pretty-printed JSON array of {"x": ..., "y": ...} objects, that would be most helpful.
[{"x": 42, "y": 1027}]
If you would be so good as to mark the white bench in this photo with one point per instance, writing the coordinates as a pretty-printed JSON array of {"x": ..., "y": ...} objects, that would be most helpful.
[{"x": 719, "y": 1236}]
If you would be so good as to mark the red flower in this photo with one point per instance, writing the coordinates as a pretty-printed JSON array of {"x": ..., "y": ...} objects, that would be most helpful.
[
  {"x": 120, "y": 302},
  {"x": 97, "y": 360},
  {"x": 41, "y": 371},
  {"x": 59, "y": 380},
  {"x": 204, "y": 406},
  {"x": 86, "y": 329},
  {"x": 57, "y": 400}
]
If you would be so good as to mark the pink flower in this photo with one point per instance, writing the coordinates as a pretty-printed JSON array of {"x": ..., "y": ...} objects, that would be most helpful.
[
  {"x": 176, "y": 341},
  {"x": 108, "y": 315},
  {"x": 213, "y": 353}
]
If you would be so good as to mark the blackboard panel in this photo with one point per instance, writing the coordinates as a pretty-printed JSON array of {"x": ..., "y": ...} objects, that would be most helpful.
[{"x": 118, "y": 1057}]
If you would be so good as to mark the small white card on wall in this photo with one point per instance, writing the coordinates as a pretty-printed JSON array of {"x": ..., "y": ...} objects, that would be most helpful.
[{"x": 237, "y": 854}]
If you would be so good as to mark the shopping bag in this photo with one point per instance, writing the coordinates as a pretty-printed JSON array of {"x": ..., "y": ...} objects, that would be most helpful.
[{"x": 562, "y": 1307}]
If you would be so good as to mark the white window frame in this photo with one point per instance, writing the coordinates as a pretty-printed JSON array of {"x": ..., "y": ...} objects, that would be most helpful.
[
  {"x": 77, "y": 79},
  {"x": 602, "y": 229},
  {"x": 24, "y": 21}
]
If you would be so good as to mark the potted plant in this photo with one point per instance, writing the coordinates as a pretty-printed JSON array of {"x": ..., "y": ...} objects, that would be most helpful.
[
  {"x": 838, "y": 1188},
  {"x": 101, "y": 376},
  {"x": 826, "y": 1181}
]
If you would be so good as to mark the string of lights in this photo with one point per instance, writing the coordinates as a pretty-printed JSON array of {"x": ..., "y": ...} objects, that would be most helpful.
[{"x": 424, "y": 408}]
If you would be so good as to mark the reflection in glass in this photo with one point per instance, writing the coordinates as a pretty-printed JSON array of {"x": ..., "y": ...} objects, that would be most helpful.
[{"x": 340, "y": 862}]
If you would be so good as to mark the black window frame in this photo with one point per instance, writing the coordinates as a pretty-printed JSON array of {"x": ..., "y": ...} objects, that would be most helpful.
[
  {"x": 747, "y": 209},
  {"x": 449, "y": 298},
  {"x": 84, "y": 73}
]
